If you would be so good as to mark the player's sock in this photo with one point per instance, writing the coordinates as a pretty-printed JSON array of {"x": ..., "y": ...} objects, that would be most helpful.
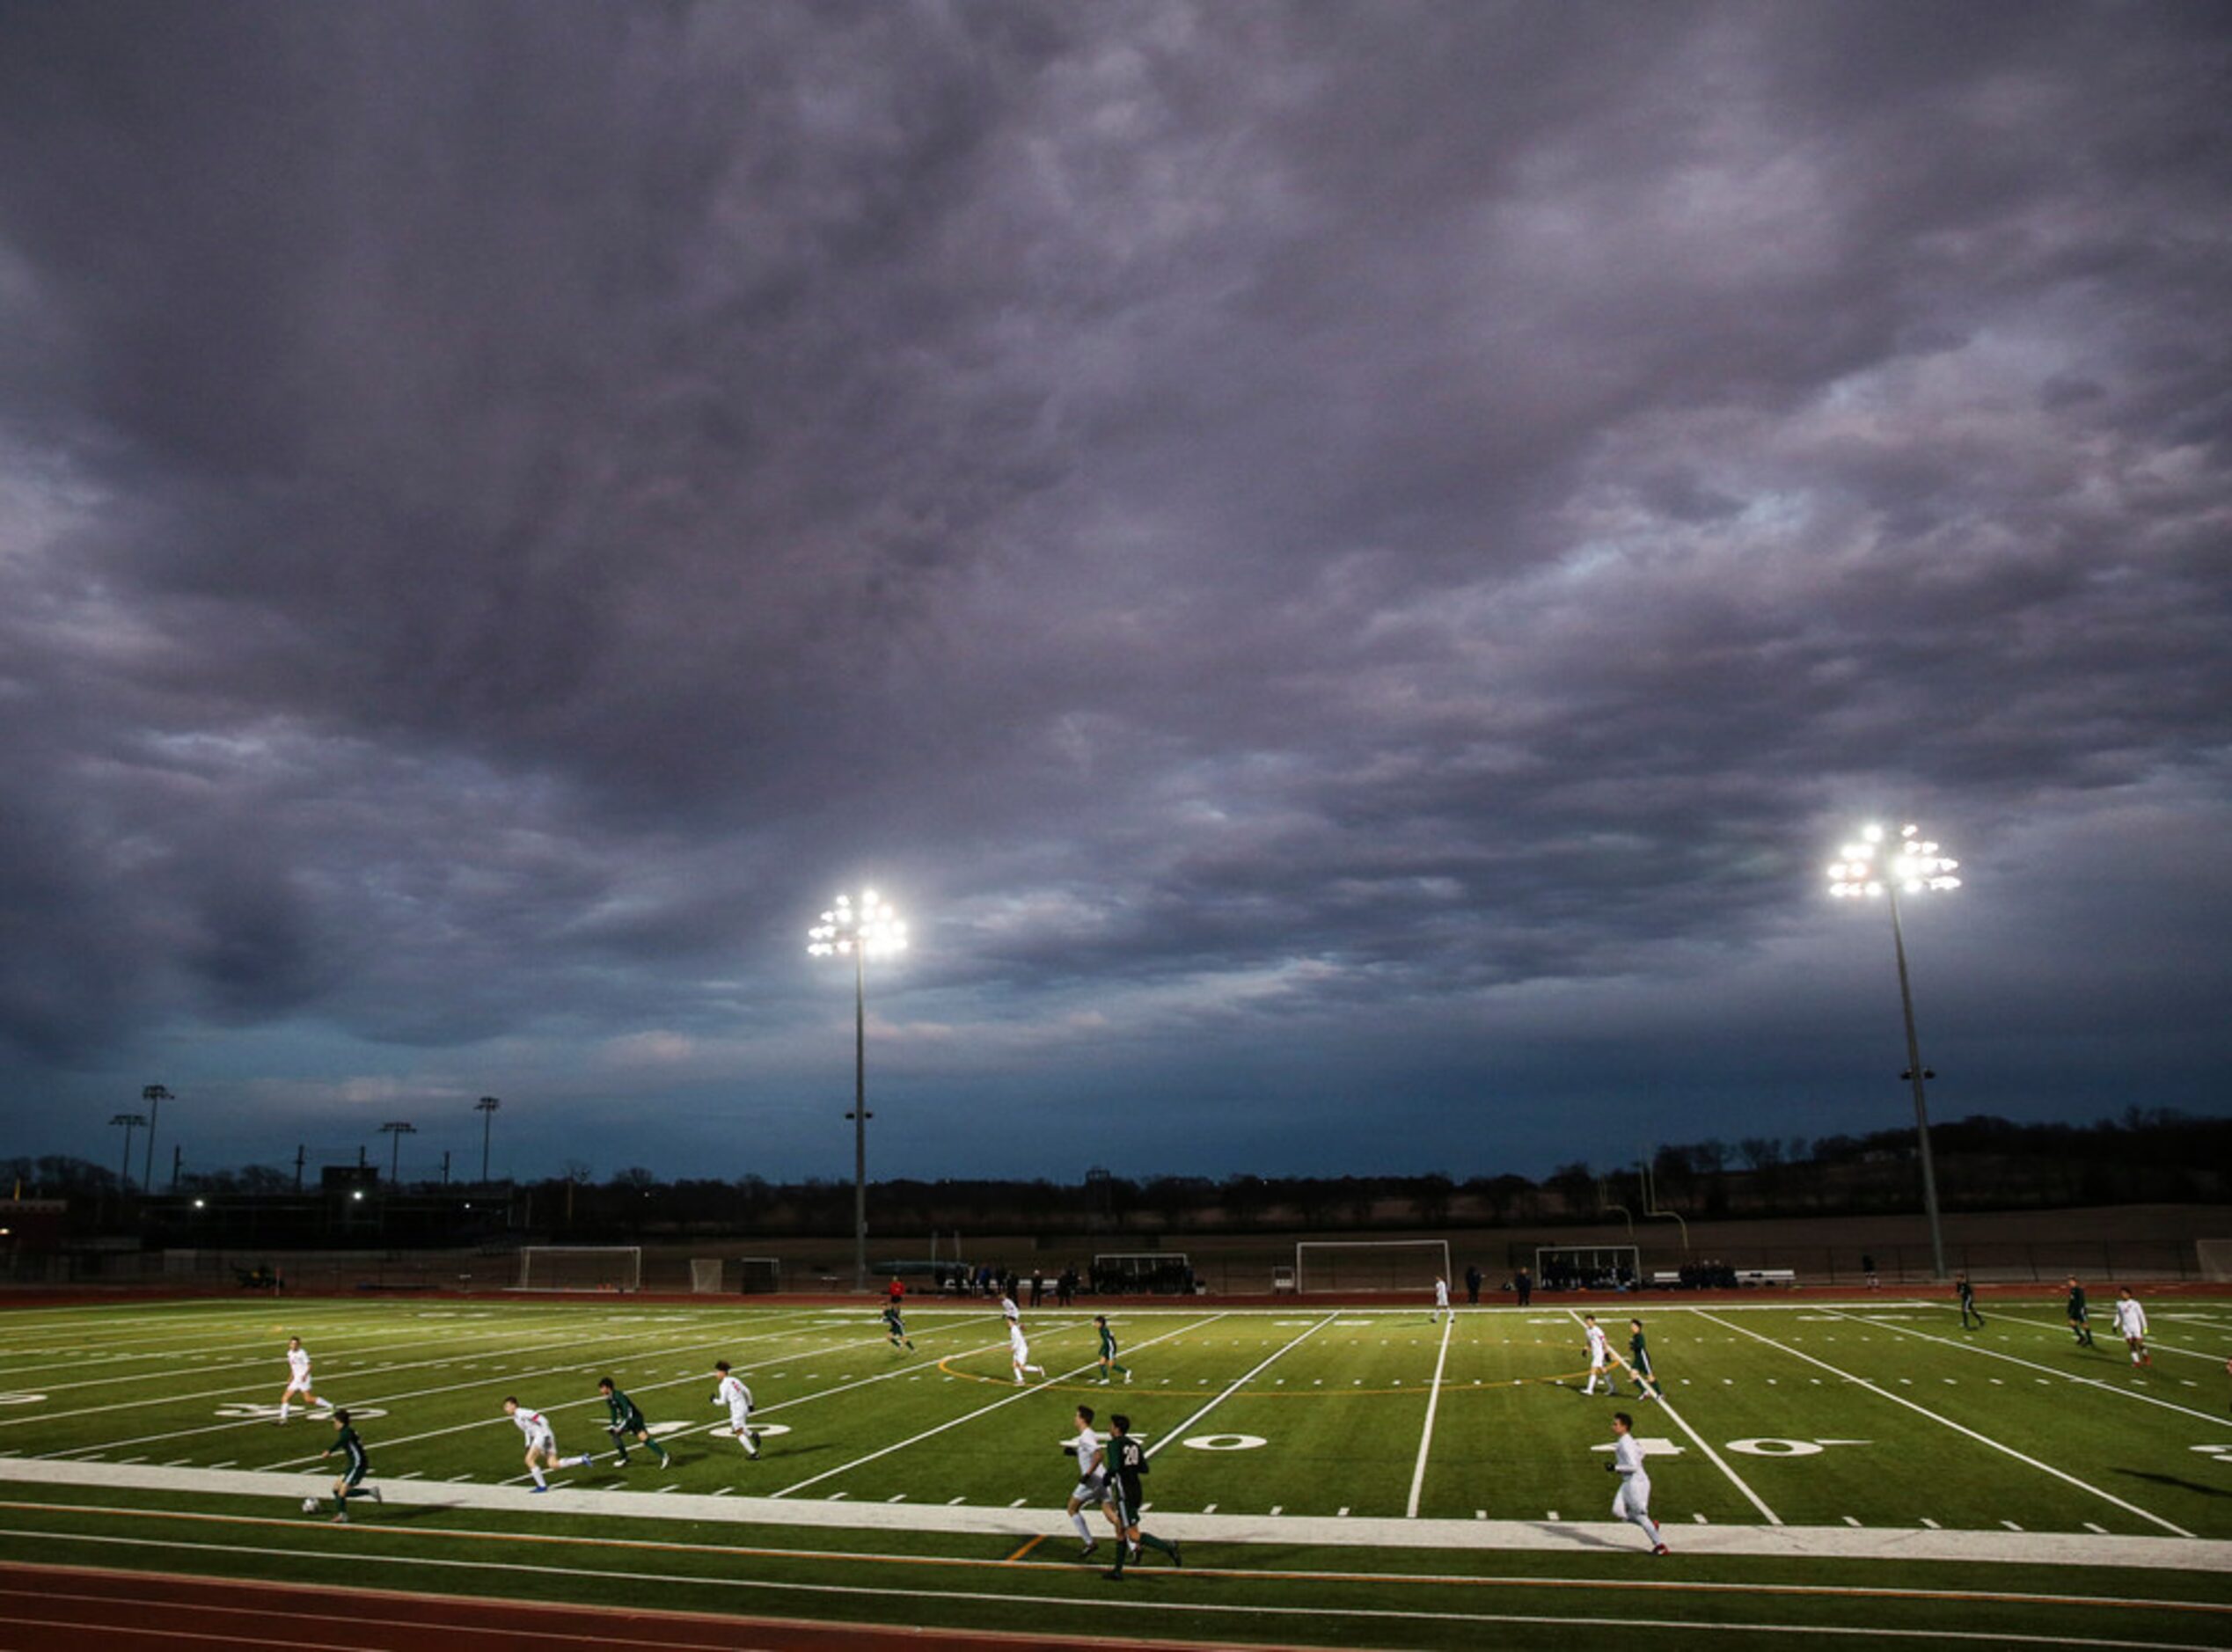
[
  {"x": 1147, "y": 1539},
  {"x": 1083, "y": 1530},
  {"x": 540, "y": 1483},
  {"x": 657, "y": 1450},
  {"x": 584, "y": 1460}
]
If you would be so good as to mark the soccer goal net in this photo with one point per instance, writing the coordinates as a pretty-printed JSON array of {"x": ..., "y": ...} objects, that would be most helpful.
[
  {"x": 2215, "y": 1257},
  {"x": 1370, "y": 1264},
  {"x": 1121, "y": 1273},
  {"x": 704, "y": 1276},
  {"x": 759, "y": 1275},
  {"x": 581, "y": 1268},
  {"x": 1587, "y": 1267}
]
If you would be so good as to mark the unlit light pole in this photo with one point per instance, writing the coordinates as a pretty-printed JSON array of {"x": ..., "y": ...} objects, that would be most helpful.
[{"x": 155, "y": 1095}]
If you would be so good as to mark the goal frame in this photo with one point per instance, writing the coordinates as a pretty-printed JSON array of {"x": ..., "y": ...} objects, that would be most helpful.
[
  {"x": 751, "y": 1281},
  {"x": 633, "y": 1272},
  {"x": 1302, "y": 1247}
]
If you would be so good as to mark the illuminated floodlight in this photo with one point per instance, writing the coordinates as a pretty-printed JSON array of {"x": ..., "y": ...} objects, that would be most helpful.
[
  {"x": 862, "y": 929},
  {"x": 1879, "y": 867}
]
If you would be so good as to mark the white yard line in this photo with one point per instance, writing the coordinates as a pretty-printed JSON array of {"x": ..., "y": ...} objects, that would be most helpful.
[
  {"x": 1946, "y": 1422},
  {"x": 1698, "y": 1440},
  {"x": 1236, "y": 1386},
  {"x": 2090, "y": 1382},
  {"x": 1426, "y": 1434},
  {"x": 1022, "y": 1392},
  {"x": 2108, "y": 1322}
]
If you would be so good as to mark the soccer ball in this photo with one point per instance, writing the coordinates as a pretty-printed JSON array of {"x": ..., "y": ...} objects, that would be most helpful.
[{"x": 309, "y": 1505}]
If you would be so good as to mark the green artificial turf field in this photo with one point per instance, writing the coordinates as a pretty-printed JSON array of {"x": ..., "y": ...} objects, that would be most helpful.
[{"x": 1350, "y": 1477}]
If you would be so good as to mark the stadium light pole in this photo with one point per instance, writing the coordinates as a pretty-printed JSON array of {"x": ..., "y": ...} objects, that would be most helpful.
[
  {"x": 155, "y": 1095},
  {"x": 1914, "y": 866},
  {"x": 395, "y": 1130},
  {"x": 869, "y": 928},
  {"x": 487, "y": 1107},
  {"x": 130, "y": 1122}
]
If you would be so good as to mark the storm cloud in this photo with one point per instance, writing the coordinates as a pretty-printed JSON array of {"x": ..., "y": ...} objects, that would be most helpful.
[{"x": 1347, "y": 566}]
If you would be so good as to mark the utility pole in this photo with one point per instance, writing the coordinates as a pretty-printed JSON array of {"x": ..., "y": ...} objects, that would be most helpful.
[
  {"x": 445, "y": 1166},
  {"x": 395, "y": 1130},
  {"x": 130, "y": 1122},
  {"x": 177, "y": 1157},
  {"x": 299, "y": 1148}
]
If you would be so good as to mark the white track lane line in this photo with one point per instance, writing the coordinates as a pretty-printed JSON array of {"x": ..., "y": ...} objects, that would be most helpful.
[
  {"x": 1426, "y": 1434},
  {"x": 2090, "y": 1382},
  {"x": 1696, "y": 1439},
  {"x": 2109, "y": 1322},
  {"x": 1023, "y": 1392},
  {"x": 1099, "y": 1609},
  {"x": 1982, "y": 1439}
]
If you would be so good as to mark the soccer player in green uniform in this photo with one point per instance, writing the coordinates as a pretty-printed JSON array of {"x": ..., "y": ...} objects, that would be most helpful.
[
  {"x": 627, "y": 1418},
  {"x": 350, "y": 1482},
  {"x": 1639, "y": 1363},
  {"x": 1109, "y": 1350},
  {"x": 895, "y": 1332},
  {"x": 1967, "y": 1294},
  {"x": 2078, "y": 1321},
  {"x": 1127, "y": 1461}
]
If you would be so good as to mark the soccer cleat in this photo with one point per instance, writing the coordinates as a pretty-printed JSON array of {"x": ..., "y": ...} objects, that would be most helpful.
[
  {"x": 1660, "y": 1548},
  {"x": 1115, "y": 1577},
  {"x": 1085, "y": 1554},
  {"x": 536, "y": 1491},
  {"x": 1175, "y": 1561},
  {"x": 340, "y": 1519},
  {"x": 375, "y": 1490}
]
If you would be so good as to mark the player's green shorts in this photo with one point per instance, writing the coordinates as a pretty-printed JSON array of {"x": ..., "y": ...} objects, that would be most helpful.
[{"x": 356, "y": 1475}]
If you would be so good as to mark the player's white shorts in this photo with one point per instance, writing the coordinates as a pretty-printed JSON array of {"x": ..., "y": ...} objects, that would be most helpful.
[
  {"x": 297, "y": 1385},
  {"x": 1019, "y": 1352},
  {"x": 546, "y": 1441},
  {"x": 739, "y": 1418},
  {"x": 1633, "y": 1498},
  {"x": 1091, "y": 1491}
]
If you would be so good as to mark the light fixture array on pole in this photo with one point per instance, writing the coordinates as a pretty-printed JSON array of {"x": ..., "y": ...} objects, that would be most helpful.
[
  {"x": 395, "y": 1130},
  {"x": 487, "y": 1107},
  {"x": 859, "y": 931},
  {"x": 155, "y": 1095},
  {"x": 130, "y": 1122},
  {"x": 1873, "y": 868}
]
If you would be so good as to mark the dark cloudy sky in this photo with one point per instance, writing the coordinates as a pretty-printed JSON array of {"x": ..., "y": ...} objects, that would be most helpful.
[{"x": 1348, "y": 566}]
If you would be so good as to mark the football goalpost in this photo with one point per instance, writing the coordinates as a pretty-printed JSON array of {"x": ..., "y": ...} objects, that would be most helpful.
[
  {"x": 581, "y": 1268},
  {"x": 1587, "y": 1267},
  {"x": 1370, "y": 1264}
]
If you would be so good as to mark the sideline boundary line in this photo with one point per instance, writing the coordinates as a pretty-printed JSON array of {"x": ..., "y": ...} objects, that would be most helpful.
[
  {"x": 1980, "y": 1546},
  {"x": 1958, "y": 1427}
]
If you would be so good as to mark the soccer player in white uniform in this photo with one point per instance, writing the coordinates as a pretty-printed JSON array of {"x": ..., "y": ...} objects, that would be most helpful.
[
  {"x": 1632, "y": 1501},
  {"x": 1014, "y": 1315},
  {"x": 1441, "y": 1299},
  {"x": 1599, "y": 1357},
  {"x": 733, "y": 1394},
  {"x": 297, "y": 1377},
  {"x": 1091, "y": 1488},
  {"x": 2131, "y": 1325},
  {"x": 542, "y": 1442},
  {"x": 1019, "y": 1351}
]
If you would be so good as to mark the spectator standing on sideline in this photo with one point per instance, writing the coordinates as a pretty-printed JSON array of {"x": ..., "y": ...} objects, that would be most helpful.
[
  {"x": 1526, "y": 1284},
  {"x": 1473, "y": 1283}
]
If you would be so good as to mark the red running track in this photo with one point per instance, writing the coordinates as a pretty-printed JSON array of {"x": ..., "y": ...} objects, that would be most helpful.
[{"x": 69, "y": 1608}]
